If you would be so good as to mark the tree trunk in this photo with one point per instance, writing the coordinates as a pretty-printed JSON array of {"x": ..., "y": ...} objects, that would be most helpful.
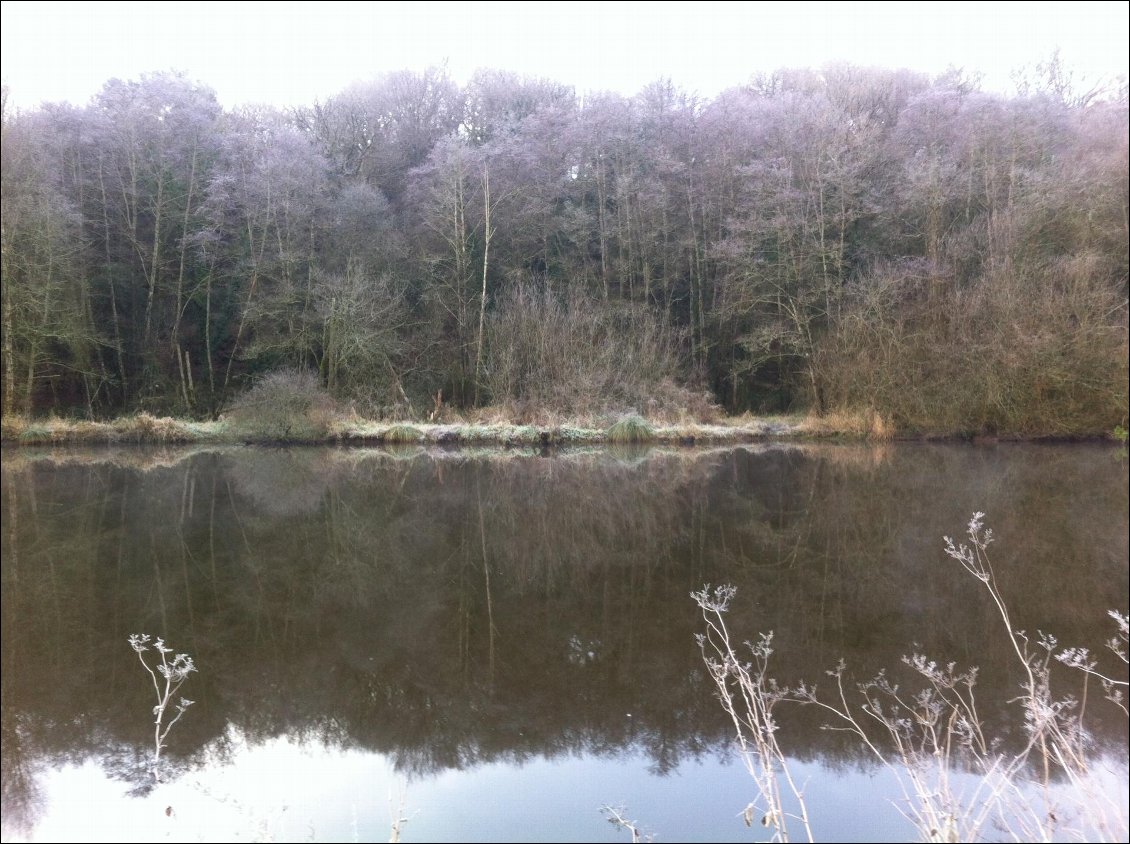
[
  {"x": 110, "y": 284},
  {"x": 487, "y": 234}
]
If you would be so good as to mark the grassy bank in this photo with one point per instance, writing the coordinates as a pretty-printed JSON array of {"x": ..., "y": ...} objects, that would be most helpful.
[
  {"x": 484, "y": 430},
  {"x": 144, "y": 428}
]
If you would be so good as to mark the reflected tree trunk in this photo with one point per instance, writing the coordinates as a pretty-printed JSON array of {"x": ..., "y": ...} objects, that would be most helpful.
[{"x": 486, "y": 580}]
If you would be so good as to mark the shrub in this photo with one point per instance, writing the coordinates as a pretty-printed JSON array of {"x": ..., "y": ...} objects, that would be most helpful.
[
  {"x": 1024, "y": 353},
  {"x": 571, "y": 357},
  {"x": 284, "y": 406}
]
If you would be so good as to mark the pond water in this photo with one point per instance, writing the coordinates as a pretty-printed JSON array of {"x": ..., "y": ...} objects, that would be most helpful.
[{"x": 493, "y": 646}]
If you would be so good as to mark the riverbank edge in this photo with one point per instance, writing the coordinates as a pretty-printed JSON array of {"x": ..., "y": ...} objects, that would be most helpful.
[{"x": 144, "y": 429}]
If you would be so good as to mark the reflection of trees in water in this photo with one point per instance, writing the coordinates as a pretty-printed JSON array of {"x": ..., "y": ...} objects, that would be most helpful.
[
  {"x": 281, "y": 483},
  {"x": 23, "y": 761},
  {"x": 451, "y": 610}
]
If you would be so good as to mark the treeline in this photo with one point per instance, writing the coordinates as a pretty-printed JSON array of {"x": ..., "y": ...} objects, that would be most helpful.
[{"x": 851, "y": 239}]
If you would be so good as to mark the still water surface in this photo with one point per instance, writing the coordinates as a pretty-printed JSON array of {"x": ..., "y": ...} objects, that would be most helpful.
[{"x": 495, "y": 645}]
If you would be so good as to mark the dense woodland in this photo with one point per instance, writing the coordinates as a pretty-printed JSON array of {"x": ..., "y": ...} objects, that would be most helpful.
[{"x": 844, "y": 240}]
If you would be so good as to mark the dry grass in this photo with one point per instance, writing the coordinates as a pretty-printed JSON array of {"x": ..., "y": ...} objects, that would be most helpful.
[
  {"x": 141, "y": 428},
  {"x": 631, "y": 429},
  {"x": 11, "y": 426},
  {"x": 402, "y": 434},
  {"x": 152, "y": 429},
  {"x": 488, "y": 426},
  {"x": 850, "y": 424}
]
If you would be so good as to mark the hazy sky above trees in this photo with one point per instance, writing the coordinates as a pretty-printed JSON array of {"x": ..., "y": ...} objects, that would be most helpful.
[{"x": 292, "y": 53}]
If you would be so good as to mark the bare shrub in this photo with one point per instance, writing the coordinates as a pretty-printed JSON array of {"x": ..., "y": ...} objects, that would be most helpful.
[
  {"x": 284, "y": 405},
  {"x": 1022, "y": 353},
  {"x": 363, "y": 317},
  {"x": 573, "y": 357}
]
